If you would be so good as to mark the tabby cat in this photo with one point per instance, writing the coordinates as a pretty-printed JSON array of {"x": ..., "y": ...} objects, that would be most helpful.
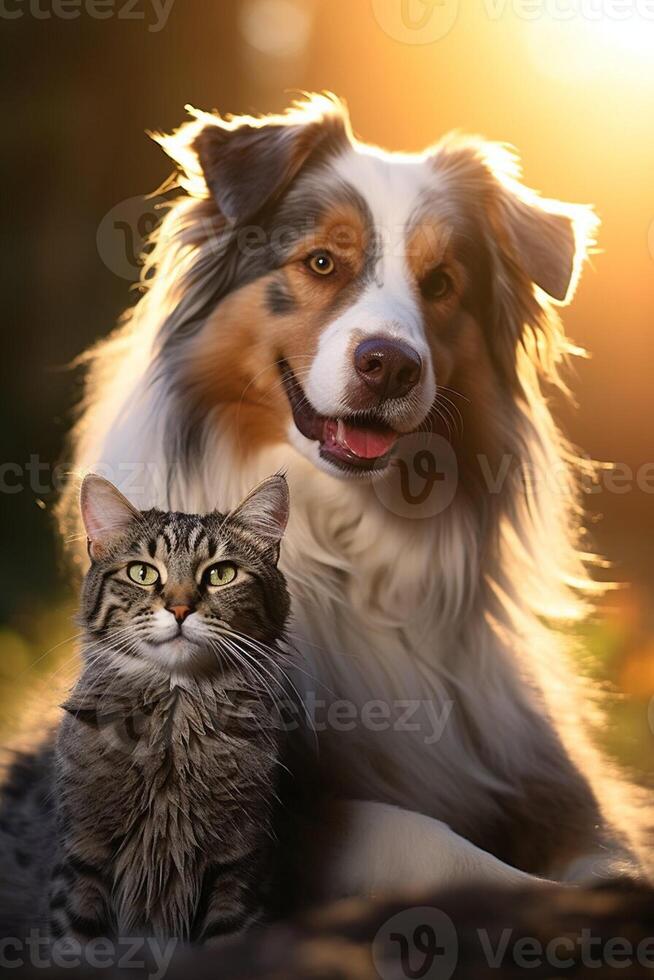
[{"x": 165, "y": 766}]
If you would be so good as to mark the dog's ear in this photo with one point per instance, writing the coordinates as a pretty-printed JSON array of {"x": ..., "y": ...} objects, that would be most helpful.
[
  {"x": 548, "y": 239},
  {"x": 248, "y": 163},
  {"x": 535, "y": 250},
  {"x": 544, "y": 241}
]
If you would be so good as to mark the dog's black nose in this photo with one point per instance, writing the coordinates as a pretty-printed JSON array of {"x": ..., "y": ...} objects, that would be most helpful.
[{"x": 389, "y": 367}]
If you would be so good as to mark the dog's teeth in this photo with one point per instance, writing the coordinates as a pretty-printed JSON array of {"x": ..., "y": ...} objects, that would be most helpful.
[{"x": 340, "y": 432}]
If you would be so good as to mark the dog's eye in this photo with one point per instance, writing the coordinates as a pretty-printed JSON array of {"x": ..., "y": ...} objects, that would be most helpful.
[
  {"x": 436, "y": 284},
  {"x": 321, "y": 263}
]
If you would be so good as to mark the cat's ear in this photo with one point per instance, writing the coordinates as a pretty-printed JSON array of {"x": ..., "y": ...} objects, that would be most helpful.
[
  {"x": 265, "y": 509},
  {"x": 105, "y": 512}
]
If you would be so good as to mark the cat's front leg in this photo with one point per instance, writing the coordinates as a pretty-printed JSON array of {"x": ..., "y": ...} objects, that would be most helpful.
[
  {"x": 230, "y": 903},
  {"x": 78, "y": 900}
]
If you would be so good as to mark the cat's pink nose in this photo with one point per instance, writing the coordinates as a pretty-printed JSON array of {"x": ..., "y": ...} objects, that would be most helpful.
[{"x": 180, "y": 612}]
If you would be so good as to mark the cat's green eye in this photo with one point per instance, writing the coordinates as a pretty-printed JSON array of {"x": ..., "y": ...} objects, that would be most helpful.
[
  {"x": 221, "y": 574},
  {"x": 142, "y": 573}
]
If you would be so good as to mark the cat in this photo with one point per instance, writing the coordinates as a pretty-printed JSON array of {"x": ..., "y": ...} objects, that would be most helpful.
[{"x": 160, "y": 788}]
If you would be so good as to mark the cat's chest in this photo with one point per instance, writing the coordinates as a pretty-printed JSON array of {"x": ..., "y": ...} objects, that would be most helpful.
[
  {"x": 189, "y": 752},
  {"x": 177, "y": 767},
  {"x": 187, "y": 786}
]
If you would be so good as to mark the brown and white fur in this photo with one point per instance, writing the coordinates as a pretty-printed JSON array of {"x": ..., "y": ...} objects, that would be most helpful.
[{"x": 448, "y": 254}]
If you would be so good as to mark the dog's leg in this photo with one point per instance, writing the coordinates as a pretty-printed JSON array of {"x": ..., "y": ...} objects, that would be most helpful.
[
  {"x": 603, "y": 866},
  {"x": 371, "y": 848}
]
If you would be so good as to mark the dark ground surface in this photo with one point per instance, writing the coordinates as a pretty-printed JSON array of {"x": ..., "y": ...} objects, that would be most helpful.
[{"x": 474, "y": 934}]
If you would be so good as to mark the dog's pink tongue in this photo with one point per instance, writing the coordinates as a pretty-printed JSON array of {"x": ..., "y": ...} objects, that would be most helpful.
[{"x": 362, "y": 442}]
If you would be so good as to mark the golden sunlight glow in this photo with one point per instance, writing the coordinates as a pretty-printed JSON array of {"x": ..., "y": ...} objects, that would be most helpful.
[
  {"x": 594, "y": 41},
  {"x": 278, "y": 28}
]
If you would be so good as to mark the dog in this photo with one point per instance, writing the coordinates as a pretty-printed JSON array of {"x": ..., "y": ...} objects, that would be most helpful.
[{"x": 365, "y": 321}]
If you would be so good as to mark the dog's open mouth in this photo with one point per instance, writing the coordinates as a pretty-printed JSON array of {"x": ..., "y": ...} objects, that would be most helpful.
[{"x": 355, "y": 442}]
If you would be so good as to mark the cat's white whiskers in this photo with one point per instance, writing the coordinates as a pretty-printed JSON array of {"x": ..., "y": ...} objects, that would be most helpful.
[
  {"x": 285, "y": 688},
  {"x": 233, "y": 657},
  {"x": 272, "y": 654},
  {"x": 237, "y": 642},
  {"x": 68, "y": 639},
  {"x": 252, "y": 668}
]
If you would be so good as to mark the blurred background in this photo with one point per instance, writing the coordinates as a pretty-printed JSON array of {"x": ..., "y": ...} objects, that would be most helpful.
[{"x": 570, "y": 84}]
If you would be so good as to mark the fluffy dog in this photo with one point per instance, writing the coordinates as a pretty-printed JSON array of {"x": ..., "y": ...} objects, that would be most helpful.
[{"x": 383, "y": 327}]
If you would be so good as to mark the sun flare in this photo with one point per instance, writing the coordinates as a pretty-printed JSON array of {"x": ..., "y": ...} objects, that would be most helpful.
[{"x": 594, "y": 41}]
